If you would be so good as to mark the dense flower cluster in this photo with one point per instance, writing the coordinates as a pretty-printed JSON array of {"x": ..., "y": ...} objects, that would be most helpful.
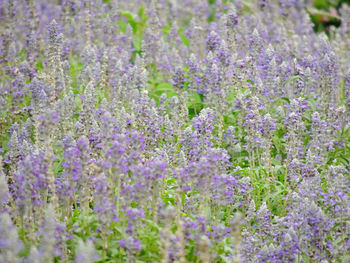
[{"x": 173, "y": 131}]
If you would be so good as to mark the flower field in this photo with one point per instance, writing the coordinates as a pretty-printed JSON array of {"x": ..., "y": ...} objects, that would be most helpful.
[{"x": 174, "y": 131}]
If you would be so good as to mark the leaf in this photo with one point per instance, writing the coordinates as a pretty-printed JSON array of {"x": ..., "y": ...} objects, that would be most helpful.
[
  {"x": 39, "y": 65},
  {"x": 127, "y": 14},
  {"x": 152, "y": 224},
  {"x": 286, "y": 99},
  {"x": 291, "y": 79},
  {"x": 165, "y": 86},
  {"x": 184, "y": 39}
]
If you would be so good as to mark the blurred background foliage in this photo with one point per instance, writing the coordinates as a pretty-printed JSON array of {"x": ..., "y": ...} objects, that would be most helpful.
[{"x": 324, "y": 13}]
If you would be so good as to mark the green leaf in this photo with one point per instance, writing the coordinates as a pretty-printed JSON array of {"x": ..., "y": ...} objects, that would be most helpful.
[
  {"x": 291, "y": 79},
  {"x": 164, "y": 87},
  {"x": 39, "y": 65},
  {"x": 286, "y": 99},
  {"x": 184, "y": 39}
]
